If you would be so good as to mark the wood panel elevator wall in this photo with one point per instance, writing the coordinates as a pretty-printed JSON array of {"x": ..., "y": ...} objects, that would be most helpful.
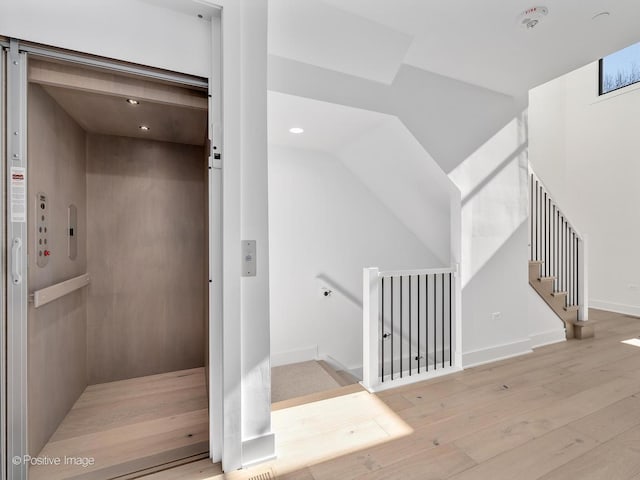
[
  {"x": 57, "y": 349},
  {"x": 146, "y": 257}
]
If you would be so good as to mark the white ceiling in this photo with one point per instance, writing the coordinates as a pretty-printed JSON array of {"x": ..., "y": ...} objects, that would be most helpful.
[
  {"x": 478, "y": 42},
  {"x": 311, "y": 31},
  {"x": 327, "y": 126},
  {"x": 189, "y": 7}
]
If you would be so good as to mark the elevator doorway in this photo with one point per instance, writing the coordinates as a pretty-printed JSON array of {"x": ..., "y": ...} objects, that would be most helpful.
[{"x": 115, "y": 217}]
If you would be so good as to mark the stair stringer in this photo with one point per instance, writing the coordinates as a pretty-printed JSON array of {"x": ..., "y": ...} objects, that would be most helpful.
[{"x": 556, "y": 300}]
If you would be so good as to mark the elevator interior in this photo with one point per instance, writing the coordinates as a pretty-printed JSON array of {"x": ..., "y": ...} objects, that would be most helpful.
[{"x": 117, "y": 221}]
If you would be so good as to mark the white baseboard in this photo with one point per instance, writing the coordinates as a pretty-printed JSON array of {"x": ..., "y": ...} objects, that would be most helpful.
[
  {"x": 547, "y": 338},
  {"x": 355, "y": 370},
  {"x": 615, "y": 307},
  {"x": 258, "y": 449},
  {"x": 498, "y": 352},
  {"x": 294, "y": 356},
  {"x": 415, "y": 378}
]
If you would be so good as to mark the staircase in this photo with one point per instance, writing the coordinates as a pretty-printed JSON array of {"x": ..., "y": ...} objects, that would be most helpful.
[{"x": 557, "y": 262}]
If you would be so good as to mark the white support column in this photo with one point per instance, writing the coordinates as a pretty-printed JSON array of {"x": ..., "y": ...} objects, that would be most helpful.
[
  {"x": 583, "y": 276},
  {"x": 456, "y": 260},
  {"x": 247, "y": 435},
  {"x": 370, "y": 328}
]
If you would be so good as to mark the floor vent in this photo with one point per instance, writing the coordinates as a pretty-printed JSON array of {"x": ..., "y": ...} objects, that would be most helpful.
[{"x": 263, "y": 476}]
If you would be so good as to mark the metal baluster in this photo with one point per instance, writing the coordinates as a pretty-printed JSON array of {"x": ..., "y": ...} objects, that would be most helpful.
[
  {"x": 401, "y": 322},
  {"x": 426, "y": 322},
  {"x": 531, "y": 218},
  {"x": 435, "y": 323},
  {"x": 410, "y": 322},
  {"x": 577, "y": 271},
  {"x": 382, "y": 331},
  {"x": 548, "y": 239},
  {"x": 442, "y": 315},
  {"x": 575, "y": 268},
  {"x": 538, "y": 254},
  {"x": 553, "y": 247},
  {"x": 391, "y": 337},
  {"x": 450, "y": 329},
  {"x": 418, "y": 354}
]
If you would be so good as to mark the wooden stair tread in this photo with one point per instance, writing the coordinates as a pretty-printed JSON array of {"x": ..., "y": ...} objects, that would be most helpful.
[
  {"x": 559, "y": 294},
  {"x": 546, "y": 279},
  {"x": 536, "y": 262},
  {"x": 316, "y": 397},
  {"x": 572, "y": 308}
]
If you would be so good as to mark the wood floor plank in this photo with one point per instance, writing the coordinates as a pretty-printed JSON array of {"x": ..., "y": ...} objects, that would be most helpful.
[
  {"x": 135, "y": 425},
  {"x": 521, "y": 429},
  {"x": 533, "y": 459},
  {"x": 428, "y": 465},
  {"x": 617, "y": 459}
]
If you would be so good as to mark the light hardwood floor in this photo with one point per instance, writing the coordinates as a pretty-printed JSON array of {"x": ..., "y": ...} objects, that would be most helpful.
[
  {"x": 131, "y": 425},
  {"x": 567, "y": 411}
]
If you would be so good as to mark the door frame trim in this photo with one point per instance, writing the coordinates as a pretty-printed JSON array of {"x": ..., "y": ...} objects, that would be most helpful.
[{"x": 3, "y": 324}]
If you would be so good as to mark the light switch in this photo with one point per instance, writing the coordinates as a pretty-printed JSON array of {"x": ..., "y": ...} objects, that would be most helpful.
[{"x": 248, "y": 258}]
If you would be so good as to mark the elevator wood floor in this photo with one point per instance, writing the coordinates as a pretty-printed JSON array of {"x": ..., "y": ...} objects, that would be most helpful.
[
  {"x": 131, "y": 425},
  {"x": 567, "y": 411}
]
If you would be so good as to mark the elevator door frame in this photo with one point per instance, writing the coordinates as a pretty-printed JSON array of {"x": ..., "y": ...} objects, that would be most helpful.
[
  {"x": 3, "y": 344},
  {"x": 15, "y": 267}
]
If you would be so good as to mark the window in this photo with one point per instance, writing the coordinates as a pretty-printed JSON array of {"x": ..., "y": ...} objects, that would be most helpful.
[{"x": 620, "y": 69}]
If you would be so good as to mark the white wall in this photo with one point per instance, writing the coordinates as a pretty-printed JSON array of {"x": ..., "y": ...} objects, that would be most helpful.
[
  {"x": 493, "y": 182},
  {"x": 325, "y": 223},
  {"x": 407, "y": 180},
  {"x": 585, "y": 148},
  {"x": 479, "y": 136},
  {"x": 545, "y": 326},
  {"x": 131, "y": 30}
]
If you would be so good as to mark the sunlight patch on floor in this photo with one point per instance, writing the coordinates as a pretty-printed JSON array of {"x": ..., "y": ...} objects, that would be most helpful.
[
  {"x": 632, "y": 341},
  {"x": 319, "y": 431}
]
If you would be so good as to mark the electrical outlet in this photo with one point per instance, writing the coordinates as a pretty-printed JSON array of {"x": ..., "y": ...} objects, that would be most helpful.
[
  {"x": 325, "y": 292},
  {"x": 496, "y": 315}
]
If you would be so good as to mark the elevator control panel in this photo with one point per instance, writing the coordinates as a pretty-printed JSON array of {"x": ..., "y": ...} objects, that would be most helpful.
[
  {"x": 43, "y": 251},
  {"x": 72, "y": 232}
]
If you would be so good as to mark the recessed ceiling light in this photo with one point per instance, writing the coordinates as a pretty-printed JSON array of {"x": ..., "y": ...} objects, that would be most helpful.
[
  {"x": 296, "y": 130},
  {"x": 144, "y": 128},
  {"x": 601, "y": 16},
  {"x": 132, "y": 101}
]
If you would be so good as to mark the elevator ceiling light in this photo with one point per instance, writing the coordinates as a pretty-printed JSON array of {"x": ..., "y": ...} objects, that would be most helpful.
[
  {"x": 296, "y": 130},
  {"x": 133, "y": 101},
  {"x": 144, "y": 128}
]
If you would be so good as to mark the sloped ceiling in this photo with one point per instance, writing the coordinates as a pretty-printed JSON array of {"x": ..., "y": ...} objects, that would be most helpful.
[{"x": 478, "y": 42}]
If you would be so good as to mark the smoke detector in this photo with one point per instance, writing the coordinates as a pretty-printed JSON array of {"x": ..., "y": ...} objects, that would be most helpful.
[{"x": 531, "y": 17}]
